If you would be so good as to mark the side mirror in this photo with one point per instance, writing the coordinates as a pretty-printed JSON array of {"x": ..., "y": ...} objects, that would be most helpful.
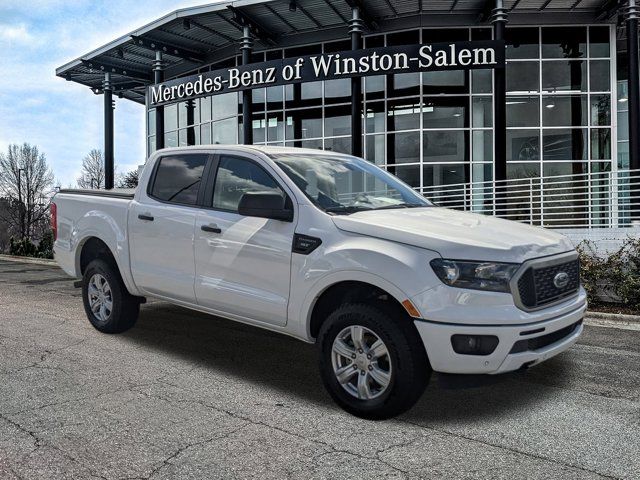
[{"x": 265, "y": 205}]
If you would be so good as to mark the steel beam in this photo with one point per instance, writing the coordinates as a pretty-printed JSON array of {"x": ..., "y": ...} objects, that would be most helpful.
[
  {"x": 247, "y": 110},
  {"x": 108, "y": 131},
  {"x": 365, "y": 15},
  {"x": 499, "y": 20},
  {"x": 158, "y": 77},
  {"x": 355, "y": 31},
  {"x": 169, "y": 49},
  {"x": 114, "y": 69},
  {"x": 632, "y": 14}
]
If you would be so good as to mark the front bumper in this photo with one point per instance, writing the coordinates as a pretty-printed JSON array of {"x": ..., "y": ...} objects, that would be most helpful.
[{"x": 437, "y": 340}]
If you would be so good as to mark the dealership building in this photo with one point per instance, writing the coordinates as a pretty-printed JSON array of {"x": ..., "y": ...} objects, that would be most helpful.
[{"x": 474, "y": 93}]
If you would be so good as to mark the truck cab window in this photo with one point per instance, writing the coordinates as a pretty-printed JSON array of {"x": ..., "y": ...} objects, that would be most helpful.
[
  {"x": 237, "y": 176},
  {"x": 178, "y": 178}
]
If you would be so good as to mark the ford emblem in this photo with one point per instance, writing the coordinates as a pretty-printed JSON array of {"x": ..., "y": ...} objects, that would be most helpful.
[{"x": 561, "y": 279}]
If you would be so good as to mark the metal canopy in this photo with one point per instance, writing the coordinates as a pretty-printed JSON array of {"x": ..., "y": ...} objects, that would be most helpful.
[{"x": 191, "y": 37}]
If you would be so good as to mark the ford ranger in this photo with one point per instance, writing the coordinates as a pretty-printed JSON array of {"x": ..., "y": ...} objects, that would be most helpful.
[{"x": 329, "y": 249}]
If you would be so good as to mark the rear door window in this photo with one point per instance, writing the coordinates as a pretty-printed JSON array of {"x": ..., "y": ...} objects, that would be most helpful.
[
  {"x": 178, "y": 178},
  {"x": 237, "y": 176}
]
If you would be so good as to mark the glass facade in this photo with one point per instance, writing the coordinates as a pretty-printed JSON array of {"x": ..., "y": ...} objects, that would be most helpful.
[{"x": 436, "y": 128}]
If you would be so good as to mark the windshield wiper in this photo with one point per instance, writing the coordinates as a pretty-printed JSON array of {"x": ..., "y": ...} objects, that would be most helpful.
[
  {"x": 346, "y": 209},
  {"x": 400, "y": 205}
]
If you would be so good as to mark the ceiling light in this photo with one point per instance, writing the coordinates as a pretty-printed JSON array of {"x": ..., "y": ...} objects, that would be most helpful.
[
  {"x": 551, "y": 105},
  {"x": 623, "y": 100}
]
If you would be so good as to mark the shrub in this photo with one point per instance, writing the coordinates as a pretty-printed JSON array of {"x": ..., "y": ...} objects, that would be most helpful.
[
  {"x": 22, "y": 248},
  {"x": 613, "y": 278},
  {"x": 45, "y": 247}
]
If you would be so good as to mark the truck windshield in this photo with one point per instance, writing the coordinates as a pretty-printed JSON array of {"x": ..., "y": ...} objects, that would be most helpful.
[{"x": 344, "y": 185}]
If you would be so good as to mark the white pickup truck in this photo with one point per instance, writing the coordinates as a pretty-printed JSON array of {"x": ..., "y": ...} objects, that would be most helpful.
[{"x": 330, "y": 249}]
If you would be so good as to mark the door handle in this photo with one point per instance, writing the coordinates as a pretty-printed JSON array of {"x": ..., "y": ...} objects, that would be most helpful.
[
  {"x": 211, "y": 228},
  {"x": 148, "y": 218}
]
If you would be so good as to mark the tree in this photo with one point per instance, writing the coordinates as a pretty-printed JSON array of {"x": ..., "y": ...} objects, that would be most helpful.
[
  {"x": 92, "y": 174},
  {"x": 25, "y": 183},
  {"x": 129, "y": 180}
]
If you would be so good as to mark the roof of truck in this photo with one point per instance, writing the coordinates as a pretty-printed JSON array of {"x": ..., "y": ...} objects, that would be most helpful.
[{"x": 268, "y": 150}]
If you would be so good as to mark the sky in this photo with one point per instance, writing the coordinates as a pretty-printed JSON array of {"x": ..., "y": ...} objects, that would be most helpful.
[{"x": 65, "y": 119}]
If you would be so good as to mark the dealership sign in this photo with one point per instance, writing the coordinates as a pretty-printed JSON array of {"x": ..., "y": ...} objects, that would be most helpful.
[{"x": 332, "y": 66}]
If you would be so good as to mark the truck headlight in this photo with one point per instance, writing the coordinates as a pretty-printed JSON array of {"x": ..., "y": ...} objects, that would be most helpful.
[{"x": 490, "y": 276}]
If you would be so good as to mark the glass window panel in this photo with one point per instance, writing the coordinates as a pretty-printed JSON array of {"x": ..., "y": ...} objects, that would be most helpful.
[
  {"x": 564, "y": 42},
  {"x": 522, "y": 42},
  {"x": 623, "y": 155},
  {"x": 523, "y": 145},
  {"x": 522, "y": 170},
  {"x": 205, "y": 134},
  {"x": 444, "y": 174},
  {"x": 205, "y": 108},
  {"x": 151, "y": 144},
  {"x": 445, "y": 146},
  {"x": 600, "y": 144},
  {"x": 434, "y": 35},
  {"x": 601, "y": 110},
  {"x": 445, "y": 112},
  {"x": 237, "y": 176},
  {"x": 225, "y": 132},
  {"x": 403, "y": 114},
  {"x": 482, "y": 80},
  {"x": 375, "y": 149},
  {"x": 403, "y": 147},
  {"x": 337, "y": 91},
  {"x": 482, "y": 144},
  {"x": 374, "y": 86},
  {"x": 564, "y": 144},
  {"x": 564, "y": 110},
  {"x": 445, "y": 81},
  {"x": 373, "y": 41},
  {"x": 623, "y": 126},
  {"x": 178, "y": 178},
  {"x": 404, "y": 84},
  {"x": 151, "y": 121},
  {"x": 224, "y": 105},
  {"x": 375, "y": 117},
  {"x": 557, "y": 169},
  {"x": 337, "y": 121},
  {"x": 258, "y": 124},
  {"x": 274, "y": 54},
  {"x": 481, "y": 173},
  {"x": 196, "y": 110},
  {"x": 311, "y": 92},
  {"x": 600, "y": 76},
  {"x": 305, "y": 123},
  {"x": 275, "y": 97},
  {"x": 182, "y": 137},
  {"x": 523, "y": 77},
  {"x": 340, "y": 145},
  {"x": 182, "y": 114},
  {"x": 523, "y": 111},
  {"x": 258, "y": 96},
  {"x": 562, "y": 76},
  {"x": 171, "y": 139},
  {"x": 482, "y": 112},
  {"x": 599, "y": 41},
  {"x": 481, "y": 34},
  {"x": 409, "y": 174},
  {"x": 403, "y": 38},
  {"x": 275, "y": 126},
  {"x": 171, "y": 118}
]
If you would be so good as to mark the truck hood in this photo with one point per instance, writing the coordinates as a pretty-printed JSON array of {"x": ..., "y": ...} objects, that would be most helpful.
[{"x": 455, "y": 234}]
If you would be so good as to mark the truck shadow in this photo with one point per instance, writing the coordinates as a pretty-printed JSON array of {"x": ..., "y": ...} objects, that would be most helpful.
[{"x": 277, "y": 361}]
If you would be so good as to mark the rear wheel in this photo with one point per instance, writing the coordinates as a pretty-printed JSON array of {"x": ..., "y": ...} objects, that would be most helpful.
[
  {"x": 109, "y": 306},
  {"x": 372, "y": 363}
]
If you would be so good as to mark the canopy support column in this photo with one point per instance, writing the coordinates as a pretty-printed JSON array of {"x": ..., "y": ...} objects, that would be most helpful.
[
  {"x": 108, "y": 131},
  {"x": 158, "y": 77},
  {"x": 499, "y": 20},
  {"x": 247, "y": 113},
  {"x": 634, "y": 85},
  {"x": 191, "y": 129},
  {"x": 355, "y": 30}
]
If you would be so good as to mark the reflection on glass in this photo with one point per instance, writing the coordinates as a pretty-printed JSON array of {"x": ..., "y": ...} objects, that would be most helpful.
[
  {"x": 337, "y": 121},
  {"x": 224, "y": 105},
  {"x": 523, "y": 77},
  {"x": 171, "y": 139},
  {"x": 601, "y": 110},
  {"x": 482, "y": 145},
  {"x": 151, "y": 122},
  {"x": 403, "y": 115},
  {"x": 171, "y": 118},
  {"x": 522, "y": 170},
  {"x": 224, "y": 132},
  {"x": 482, "y": 80},
  {"x": 337, "y": 91},
  {"x": 444, "y": 174},
  {"x": 275, "y": 126},
  {"x": 522, "y": 42},
  {"x": 564, "y": 42},
  {"x": 563, "y": 76},
  {"x": 375, "y": 149},
  {"x": 523, "y": 145},
  {"x": 445, "y": 112},
  {"x": 445, "y": 81},
  {"x": 600, "y": 144},
  {"x": 564, "y": 110},
  {"x": 404, "y": 84},
  {"x": 445, "y": 146},
  {"x": 482, "y": 112},
  {"x": 523, "y": 111},
  {"x": 340, "y": 145},
  {"x": 599, "y": 41},
  {"x": 409, "y": 174},
  {"x": 304, "y": 123},
  {"x": 205, "y": 134},
  {"x": 403, "y": 147},
  {"x": 564, "y": 144},
  {"x": 205, "y": 108},
  {"x": 375, "y": 117},
  {"x": 600, "y": 76}
]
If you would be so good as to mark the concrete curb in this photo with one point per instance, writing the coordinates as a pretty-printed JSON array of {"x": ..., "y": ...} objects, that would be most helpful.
[
  {"x": 37, "y": 261},
  {"x": 613, "y": 316}
]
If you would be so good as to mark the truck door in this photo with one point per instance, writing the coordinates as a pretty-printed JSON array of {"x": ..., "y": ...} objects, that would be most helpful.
[
  {"x": 161, "y": 227},
  {"x": 243, "y": 264}
]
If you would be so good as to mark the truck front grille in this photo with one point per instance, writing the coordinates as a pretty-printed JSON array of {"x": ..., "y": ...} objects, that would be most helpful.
[
  {"x": 537, "y": 286},
  {"x": 542, "y": 341}
]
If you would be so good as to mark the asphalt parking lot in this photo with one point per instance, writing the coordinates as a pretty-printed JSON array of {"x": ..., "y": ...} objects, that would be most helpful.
[{"x": 183, "y": 395}]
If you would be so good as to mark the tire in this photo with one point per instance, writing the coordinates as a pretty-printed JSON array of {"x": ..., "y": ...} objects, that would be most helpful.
[
  {"x": 121, "y": 308},
  {"x": 404, "y": 367}
]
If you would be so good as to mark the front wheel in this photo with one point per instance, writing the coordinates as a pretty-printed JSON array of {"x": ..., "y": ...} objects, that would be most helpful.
[
  {"x": 373, "y": 364},
  {"x": 109, "y": 306}
]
